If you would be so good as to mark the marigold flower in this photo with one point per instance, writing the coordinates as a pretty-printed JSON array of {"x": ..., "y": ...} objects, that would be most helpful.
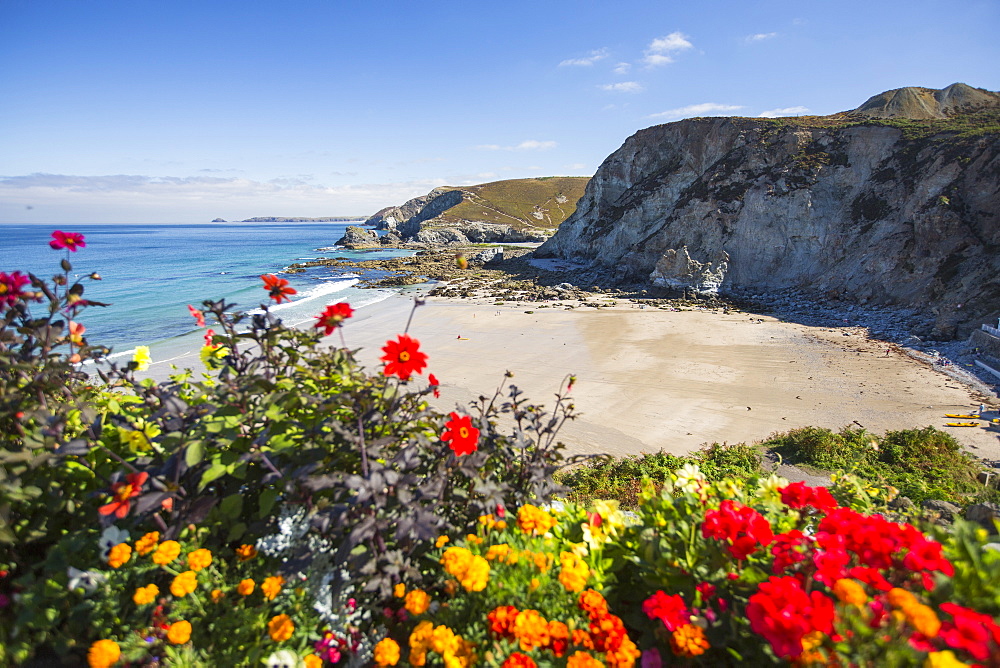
[
  {"x": 517, "y": 659},
  {"x": 417, "y": 602},
  {"x": 534, "y": 584},
  {"x": 386, "y": 652},
  {"x": 332, "y": 318},
  {"x": 849, "y": 591},
  {"x": 531, "y": 519},
  {"x": 593, "y": 603},
  {"x": 403, "y": 357},
  {"x": 145, "y": 595},
  {"x": 103, "y": 654},
  {"x": 277, "y": 288},
  {"x": 399, "y": 591},
  {"x": 245, "y": 587},
  {"x": 531, "y": 630},
  {"x": 580, "y": 659},
  {"x": 179, "y": 632},
  {"x": 501, "y": 620},
  {"x": 199, "y": 559},
  {"x": 582, "y": 638},
  {"x": 166, "y": 552},
  {"x": 11, "y": 288},
  {"x": 119, "y": 555},
  {"x": 443, "y": 640},
  {"x": 497, "y": 552},
  {"x": 313, "y": 661},
  {"x": 71, "y": 241},
  {"x": 558, "y": 638},
  {"x": 574, "y": 572},
  {"x": 246, "y": 552},
  {"x": 123, "y": 493},
  {"x": 184, "y": 584},
  {"x": 280, "y": 628},
  {"x": 271, "y": 586},
  {"x": 688, "y": 640},
  {"x": 441, "y": 541},
  {"x": 216, "y": 595},
  {"x": 476, "y": 575},
  {"x": 460, "y": 435},
  {"x": 901, "y": 598},
  {"x": 923, "y": 619}
]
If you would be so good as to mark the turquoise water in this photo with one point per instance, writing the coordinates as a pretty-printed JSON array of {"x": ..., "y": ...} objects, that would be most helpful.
[{"x": 150, "y": 273}]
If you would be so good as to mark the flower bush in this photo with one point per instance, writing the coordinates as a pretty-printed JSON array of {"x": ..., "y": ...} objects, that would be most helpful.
[{"x": 285, "y": 507}]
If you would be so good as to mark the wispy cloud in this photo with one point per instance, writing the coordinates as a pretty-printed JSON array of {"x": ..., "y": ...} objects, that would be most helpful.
[
  {"x": 786, "y": 111},
  {"x": 622, "y": 68},
  {"x": 527, "y": 145},
  {"x": 759, "y": 37},
  {"x": 586, "y": 61},
  {"x": 623, "y": 87},
  {"x": 660, "y": 51},
  {"x": 693, "y": 110}
]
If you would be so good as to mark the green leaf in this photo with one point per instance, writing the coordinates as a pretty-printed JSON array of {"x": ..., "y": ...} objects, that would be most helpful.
[
  {"x": 267, "y": 499},
  {"x": 214, "y": 472},
  {"x": 236, "y": 531},
  {"x": 232, "y": 506},
  {"x": 195, "y": 453}
]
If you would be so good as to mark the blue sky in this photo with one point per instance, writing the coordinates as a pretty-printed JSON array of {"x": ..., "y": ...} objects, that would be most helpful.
[{"x": 173, "y": 111}]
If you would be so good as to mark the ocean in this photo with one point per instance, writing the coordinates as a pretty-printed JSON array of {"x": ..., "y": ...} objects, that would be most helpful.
[{"x": 150, "y": 273}]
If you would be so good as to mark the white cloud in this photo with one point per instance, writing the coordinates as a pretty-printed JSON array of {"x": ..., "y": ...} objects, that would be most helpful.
[
  {"x": 576, "y": 167},
  {"x": 622, "y": 68},
  {"x": 586, "y": 61},
  {"x": 624, "y": 87},
  {"x": 693, "y": 110},
  {"x": 660, "y": 50},
  {"x": 786, "y": 111},
  {"x": 527, "y": 145},
  {"x": 759, "y": 37}
]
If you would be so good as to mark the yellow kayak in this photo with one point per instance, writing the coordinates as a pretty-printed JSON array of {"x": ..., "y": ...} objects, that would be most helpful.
[
  {"x": 962, "y": 424},
  {"x": 962, "y": 417}
]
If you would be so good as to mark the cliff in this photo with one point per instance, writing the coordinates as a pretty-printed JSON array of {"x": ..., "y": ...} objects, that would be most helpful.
[
  {"x": 866, "y": 205},
  {"x": 502, "y": 211}
]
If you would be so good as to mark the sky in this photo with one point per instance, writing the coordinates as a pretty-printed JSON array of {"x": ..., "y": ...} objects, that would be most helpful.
[{"x": 170, "y": 111}]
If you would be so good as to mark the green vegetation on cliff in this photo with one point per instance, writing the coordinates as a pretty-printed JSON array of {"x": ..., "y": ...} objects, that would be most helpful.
[{"x": 541, "y": 203}]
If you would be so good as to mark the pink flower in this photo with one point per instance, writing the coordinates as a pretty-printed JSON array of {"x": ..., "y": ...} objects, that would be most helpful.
[
  {"x": 11, "y": 288},
  {"x": 71, "y": 241},
  {"x": 198, "y": 316}
]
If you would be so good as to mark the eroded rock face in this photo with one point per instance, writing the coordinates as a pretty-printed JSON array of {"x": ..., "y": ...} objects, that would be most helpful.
[
  {"x": 855, "y": 210},
  {"x": 358, "y": 237}
]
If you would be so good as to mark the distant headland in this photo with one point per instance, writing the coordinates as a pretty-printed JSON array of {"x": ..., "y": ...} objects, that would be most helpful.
[{"x": 279, "y": 219}]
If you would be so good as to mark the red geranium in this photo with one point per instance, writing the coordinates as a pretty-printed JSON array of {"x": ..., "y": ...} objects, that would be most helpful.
[
  {"x": 463, "y": 436},
  {"x": 799, "y": 495},
  {"x": 277, "y": 288},
  {"x": 741, "y": 525},
  {"x": 333, "y": 316},
  {"x": 433, "y": 381},
  {"x": 403, "y": 357},
  {"x": 784, "y": 613},
  {"x": 71, "y": 241},
  {"x": 11, "y": 288},
  {"x": 668, "y": 608},
  {"x": 123, "y": 493},
  {"x": 198, "y": 316},
  {"x": 969, "y": 630}
]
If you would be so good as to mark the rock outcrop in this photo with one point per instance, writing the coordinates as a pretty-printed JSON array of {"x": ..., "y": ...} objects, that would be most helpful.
[
  {"x": 873, "y": 210},
  {"x": 357, "y": 237}
]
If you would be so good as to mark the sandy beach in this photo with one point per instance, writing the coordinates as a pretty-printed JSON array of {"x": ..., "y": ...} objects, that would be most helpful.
[{"x": 651, "y": 379}]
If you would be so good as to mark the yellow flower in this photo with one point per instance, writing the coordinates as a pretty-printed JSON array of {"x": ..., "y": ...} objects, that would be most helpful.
[
  {"x": 582, "y": 660},
  {"x": 456, "y": 560},
  {"x": 199, "y": 559},
  {"x": 272, "y": 586},
  {"x": 498, "y": 552},
  {"x": 211, "y": 354},
  {"x": 217, "y": 595},
  {"x": 103, "y": 654},
  {"x": 574, "y": 573},
  {"x": 245, "y": 587},
  {"x": 246, "y": 552},
  {"x": 184, "y": 584},
  {"x": 923, "y": 620},
  {"x": 179, "y": 632},
  {"x": 312, "y": 661},
  {"x": 473, "y": 539},
  {"x": 531, "y": 519},
  {"x": 399, "y": 591},
  {"x": 688, "y": 640},
  {"x": 417, "y": 602},
  {"x": 147, "y": 543},
  {"x": 850, "y": 591},
  {"x": 443, "y": 640},
  {"x": 944, "y": 659},
  {"x": 386, "y": 652},
  {"x": 119, "y": 555},
  {"x": 534, "y": 584},
  {"x": 145, "y": 595},
  {"x": 140, "y": 437},
  {"x": 502, "y": 524},
  {"x": 142, "y": 358},
  {"x": 441, "y": 540},
  {"x": 166, "y": 552},
  {"x": 476, "y": 575},
  {"x": 280, "y": 628}
]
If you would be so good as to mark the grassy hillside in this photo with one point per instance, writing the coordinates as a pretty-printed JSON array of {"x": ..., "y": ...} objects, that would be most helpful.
[{"x": 541, "y": 203}]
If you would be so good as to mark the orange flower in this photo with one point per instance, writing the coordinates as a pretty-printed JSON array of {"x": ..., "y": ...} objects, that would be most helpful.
[
  {"x": 199, "y": 559},
  {"x": 184, "y": 584},
  {"x": 417, "y": 602},
  {"x": 217, "y": 595},
  {"x": 531, "y": 630},
  {"x": 123, "y": 493},
  {"x": 399, "y": 591},
  {"x": 245, "y": 587},
  {"x": 147, "y": 543},
  {"x": 583, "y": 660},
  {"x": 179, "y": 632},
  {"x": 145, "y": 595},
  {"x": 441, "y": 541},
  {"x": 280, "y": 628},
  {"x": 463, "y": 437},
  {"x": 923, "y": 619},
  {"x": 501, "y": 620},
  {"x": 166, "y": 552},
  {"x": 558, "y": 638},
  {"x": 517, "y": 659},
  {"x": 386, "y": 652},
  {"x": 403, "y": 357},
  {"x": 246, "y": 552},
  {"x": 272, "y": 586},
  {"x": 498, "y": 552},
  {"x": 103, "y": 654},
  {"x": 277, "y": 288},
  {"x": 119, "y": 555},
  {"x": 593, "y": 603},
  {"x": 531, "y": 519},
  {"x": 312, "y": 661},
  {"x": 76, "y": 330},
  {"x": 574, "y": 573},
  {"x": 850, "y": 591},
  {"x": 688, "y": 640}
]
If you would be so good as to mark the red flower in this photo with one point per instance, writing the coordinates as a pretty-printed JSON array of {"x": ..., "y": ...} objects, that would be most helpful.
[
  {"x": 209, "y": 336},
  {"x": 786, "y": 549},
  {"x": 501, "y": 620},
  {"x": 799, "y": 495},
  {"x": 519, "y": 660},
  {"x": 71, "y": 241},
  {"x": 277, "y": 288},
  {"x": 463, "y": 436},
  {"x": 784, "y": 613},
  {"x": 10, "y": 288},
  {"x": 432, "y": 379},
  {"x": 668, "y": 608},
  {"x": 403, "y": 357},
  {"x": 198, "y": 316},
  {"x": 742, "y": 526},
  {"x": 124, "y": 492},
  {"x": 969, "y": 630},
  {"x": 331, "y": 318}
]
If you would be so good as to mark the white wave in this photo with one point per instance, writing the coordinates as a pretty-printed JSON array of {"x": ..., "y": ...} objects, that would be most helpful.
[{"x": 321, "y": 290}]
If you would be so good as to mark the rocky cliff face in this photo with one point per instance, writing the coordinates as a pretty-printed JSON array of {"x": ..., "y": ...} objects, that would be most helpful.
[{"x": 875, "y": 211}]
